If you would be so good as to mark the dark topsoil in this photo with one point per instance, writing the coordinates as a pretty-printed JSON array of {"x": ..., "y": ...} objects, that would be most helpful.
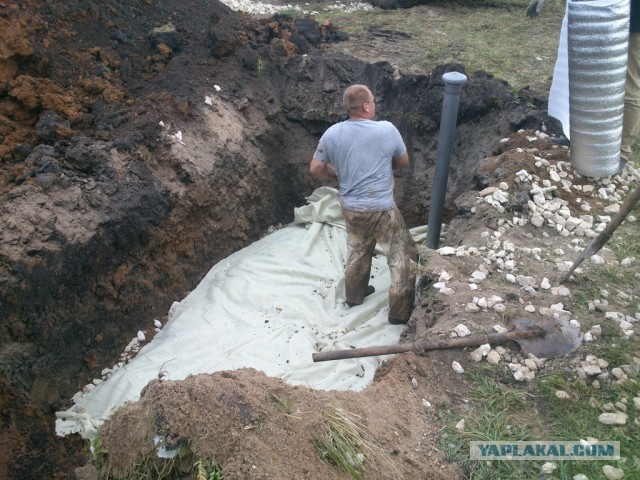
[{"x": 106, "y": 218}]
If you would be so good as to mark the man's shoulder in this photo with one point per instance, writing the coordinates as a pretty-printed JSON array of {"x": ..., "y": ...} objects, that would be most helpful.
[
  {"x": 335, "y": 127},
  {"x": 386, "y": 124}
]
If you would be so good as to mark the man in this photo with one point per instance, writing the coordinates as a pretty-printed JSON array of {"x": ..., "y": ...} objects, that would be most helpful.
[{"x": 362, "y": 153}]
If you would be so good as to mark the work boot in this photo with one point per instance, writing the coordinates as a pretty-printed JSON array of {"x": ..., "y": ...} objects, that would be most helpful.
[
  {"x": 398, "y": 321},
  {"x": 369, "y": 291}
]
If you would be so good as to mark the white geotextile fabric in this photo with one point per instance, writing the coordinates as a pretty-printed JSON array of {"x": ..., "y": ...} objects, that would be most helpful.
[
  {"x": 559, "y": 93},
  {"x": 268, "y": 307}
]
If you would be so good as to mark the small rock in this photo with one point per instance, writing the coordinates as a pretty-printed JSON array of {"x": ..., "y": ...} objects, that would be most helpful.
[
  {"x": 612, "y": 473},
  {"x": 548, "y": 468},
  {"x": 621, "y": 406},
  {"x": 444, "y": 251},
  {"x": 617, "y": 418},
  {"x": 493, "y": 358},
  {"x": 500, "y": 329},
  {"x": 456, "y": 367},
  {"x": 627, "y": 261},
  {"x": 609, "y": 407},
  {"x": 561, "y": 394},
  {"x": 591, "y": 370},
  {"x": 460, "y": 425},
  {"x": 444, "y": 276},
  {"x": 140, "y": 336},
  {"x": 619, "y": 373},
  {"x": 580, "y": 476},
  {"x": 462, "y": 330},
  {"x": 471, "y": 308},
  {"x": 480, "y": 352}
]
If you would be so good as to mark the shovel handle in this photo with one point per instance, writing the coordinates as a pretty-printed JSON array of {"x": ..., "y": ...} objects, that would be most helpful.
[{"x": 428, "y": 345}]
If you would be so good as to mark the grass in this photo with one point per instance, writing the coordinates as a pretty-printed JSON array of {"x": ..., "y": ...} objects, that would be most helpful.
[
  {"x": 575, "y": 418},
  {"x": 533, "y": 412},
  {"x": 495, "y": 37},
  {"x": 185, "y": 464},
  {"x": 346, "y": 444},
  {"x": 493, "y": 419},
  {"x": 502, "y": 411}
]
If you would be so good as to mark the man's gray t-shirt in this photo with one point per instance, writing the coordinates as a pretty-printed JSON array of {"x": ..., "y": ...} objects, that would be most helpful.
[{"x": 361, "y": 151}]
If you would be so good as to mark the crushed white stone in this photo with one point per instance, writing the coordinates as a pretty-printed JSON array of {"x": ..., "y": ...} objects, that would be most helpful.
[
  {"x": 456, "y": 367},
  {"x": 462, "y": 330},
  {"x": 613, "y": 418},
  {"x": 612, "y": 473}
]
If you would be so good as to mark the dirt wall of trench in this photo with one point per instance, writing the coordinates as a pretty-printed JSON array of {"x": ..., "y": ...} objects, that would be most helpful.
[{"x": 108, "y": 215}]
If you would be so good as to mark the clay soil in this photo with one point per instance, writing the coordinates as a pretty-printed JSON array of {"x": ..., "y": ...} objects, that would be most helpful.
[{"x": 142, "y": 141}]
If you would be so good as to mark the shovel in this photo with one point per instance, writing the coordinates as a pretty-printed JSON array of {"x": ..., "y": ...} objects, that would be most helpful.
[
  {"x": 547, "y": 338},
  {"x": 605, "y": 235}
]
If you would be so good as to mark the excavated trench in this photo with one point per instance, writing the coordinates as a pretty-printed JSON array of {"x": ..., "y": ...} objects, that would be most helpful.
[{"x": 135, "y": 215}]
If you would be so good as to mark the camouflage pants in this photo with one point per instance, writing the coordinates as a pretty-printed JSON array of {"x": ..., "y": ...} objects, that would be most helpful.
[{"x": 388, "y": 229}]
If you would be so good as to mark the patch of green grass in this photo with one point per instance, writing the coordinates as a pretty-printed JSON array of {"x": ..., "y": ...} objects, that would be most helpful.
[
  {"x": 346, "y": 444},
  {"x": 495, "y": 37},
  {"x": 576, "y": 418},
  {"x": 292, "y": 12},
  {"x": 494, "y": 418},
  {"x": 626, "y": 243},
  {"x": 282, "y": 404},
  {"x": 588, "y": 285},
  {"x": 185, "y": 464},
  {"x": 206, "y": 469},
  {"x": 503, "y": 412}
]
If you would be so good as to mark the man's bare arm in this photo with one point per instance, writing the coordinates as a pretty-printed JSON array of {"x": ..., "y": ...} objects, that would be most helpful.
[
  {"x": 322, "y": 170},
  {"x": 401, "y": 162}
]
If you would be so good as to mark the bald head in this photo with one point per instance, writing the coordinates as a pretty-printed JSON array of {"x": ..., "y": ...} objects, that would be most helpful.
[{"x": 358, "y": 99}]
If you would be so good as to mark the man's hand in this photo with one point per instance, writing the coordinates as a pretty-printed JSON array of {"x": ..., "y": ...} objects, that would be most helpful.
[
  {"x": 322, "y": 170},
  {"x": 400, "y": 162},
  {"x": 535, "y": 7}
]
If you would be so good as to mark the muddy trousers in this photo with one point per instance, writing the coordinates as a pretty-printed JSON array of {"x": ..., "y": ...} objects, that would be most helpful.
[
  {"x": 387, "y": 228},
  {"x": 631, "y": 113}
]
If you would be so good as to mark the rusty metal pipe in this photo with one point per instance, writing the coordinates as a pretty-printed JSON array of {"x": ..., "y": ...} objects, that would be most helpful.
[{"x": 428, "y": 345}]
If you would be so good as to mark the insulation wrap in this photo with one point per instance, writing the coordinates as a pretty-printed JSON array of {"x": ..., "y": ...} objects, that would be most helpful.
[{"x": 598, "y": 36}]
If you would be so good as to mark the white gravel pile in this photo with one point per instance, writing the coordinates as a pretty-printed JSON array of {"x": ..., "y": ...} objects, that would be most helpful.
[{"x": 259, "y": 8}]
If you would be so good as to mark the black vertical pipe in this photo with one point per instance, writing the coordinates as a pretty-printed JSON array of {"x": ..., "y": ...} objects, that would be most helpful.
[{"x": 453, "y": 83}]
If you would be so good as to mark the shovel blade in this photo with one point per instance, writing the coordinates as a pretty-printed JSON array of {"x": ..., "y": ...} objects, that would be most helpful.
[{"x": 560, "y": 337}]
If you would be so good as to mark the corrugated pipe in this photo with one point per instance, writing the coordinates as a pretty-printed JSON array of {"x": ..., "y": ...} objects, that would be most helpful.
[{"x": 598, "y": 38}]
